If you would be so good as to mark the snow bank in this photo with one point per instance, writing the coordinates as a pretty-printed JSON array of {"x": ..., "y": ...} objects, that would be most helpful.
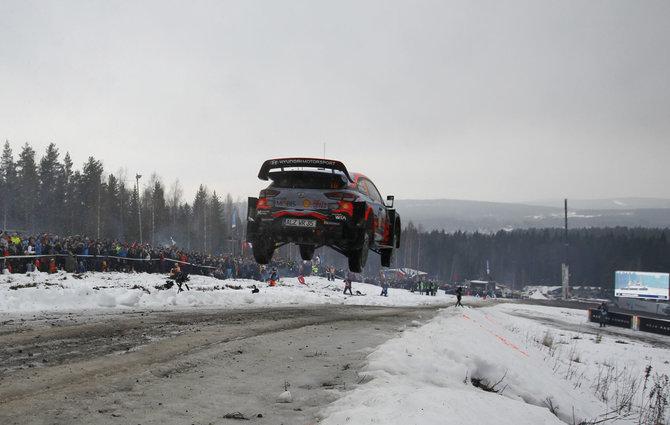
[
  {"x": 526, "y": 371},
  {"x": 34, "y": 292}
]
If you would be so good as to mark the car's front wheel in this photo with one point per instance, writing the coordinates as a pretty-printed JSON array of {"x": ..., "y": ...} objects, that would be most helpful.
[{"x": 388, "y": 255}]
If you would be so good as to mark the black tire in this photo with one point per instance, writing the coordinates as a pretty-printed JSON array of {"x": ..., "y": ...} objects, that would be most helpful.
[
  {"x": 388, "y": 255},
  {"x": 263, "y": 250},
  {"x": 306, "y": 252},
  {"x": 358, "y": 257}
]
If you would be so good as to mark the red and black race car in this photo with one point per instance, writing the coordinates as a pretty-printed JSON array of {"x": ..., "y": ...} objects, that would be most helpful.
[{"x": 317, "y": 202}]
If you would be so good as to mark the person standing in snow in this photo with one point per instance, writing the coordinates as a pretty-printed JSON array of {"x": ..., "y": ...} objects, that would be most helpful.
[
  {"x": 273, "y": 276},
  {"x": 603, "y": 315},
  {"x": 347, "y": 285},
  {"x": 385, "y": 290},
  {"x": 459, "y": 294}
]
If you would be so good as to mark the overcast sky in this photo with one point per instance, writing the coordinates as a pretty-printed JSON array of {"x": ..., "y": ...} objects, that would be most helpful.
[{"x": 480, "y": 100}]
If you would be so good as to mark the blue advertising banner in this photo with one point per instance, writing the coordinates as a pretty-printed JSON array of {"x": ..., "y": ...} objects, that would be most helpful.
[{"x": 652, "y": 286}]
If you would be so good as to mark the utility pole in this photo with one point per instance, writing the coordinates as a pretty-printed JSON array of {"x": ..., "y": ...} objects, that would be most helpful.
[
  {"x": 98, "y": 226},
  {"x": 153, "y": 222},
  {"x": 139, "y": 207},
  {"x": 565, "y": 269}
]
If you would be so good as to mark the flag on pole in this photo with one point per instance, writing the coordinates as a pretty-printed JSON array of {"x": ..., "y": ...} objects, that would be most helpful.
[{"x": 234, "y": 220}]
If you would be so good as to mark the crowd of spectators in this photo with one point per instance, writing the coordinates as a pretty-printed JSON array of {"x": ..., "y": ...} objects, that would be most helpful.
[{"x": 21, "y": 253}]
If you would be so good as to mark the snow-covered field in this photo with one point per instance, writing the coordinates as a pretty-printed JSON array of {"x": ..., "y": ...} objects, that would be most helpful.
[{"x": 560, "y": 369}]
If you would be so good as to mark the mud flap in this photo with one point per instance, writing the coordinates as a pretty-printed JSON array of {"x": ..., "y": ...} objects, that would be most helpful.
[{"x": 251, "y": 218}]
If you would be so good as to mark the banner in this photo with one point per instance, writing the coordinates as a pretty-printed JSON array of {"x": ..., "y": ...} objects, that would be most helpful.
[
  {"x": 656, "y": 326},
  {"x": 653, "y": 286}
]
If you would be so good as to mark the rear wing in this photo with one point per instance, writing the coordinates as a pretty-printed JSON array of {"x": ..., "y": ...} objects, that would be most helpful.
[{"x": 272, "y": 164}]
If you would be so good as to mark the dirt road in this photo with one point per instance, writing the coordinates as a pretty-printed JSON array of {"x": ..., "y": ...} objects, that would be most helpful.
[{"x": 188, "y": 367}]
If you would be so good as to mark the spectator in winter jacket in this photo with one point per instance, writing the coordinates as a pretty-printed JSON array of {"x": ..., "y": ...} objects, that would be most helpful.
[
  {"x": 70, "y": 263},
  {"x": 52, "y": 266},
  {"x": 603, "y": 314},
  {"x": 347, "y": 285}
]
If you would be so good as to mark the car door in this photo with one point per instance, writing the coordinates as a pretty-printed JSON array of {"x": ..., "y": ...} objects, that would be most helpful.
[{"x": 377, "y": 204}]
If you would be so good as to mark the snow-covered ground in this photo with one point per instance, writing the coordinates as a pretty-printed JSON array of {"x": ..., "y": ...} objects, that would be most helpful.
[{"x": 560, "y": 369}]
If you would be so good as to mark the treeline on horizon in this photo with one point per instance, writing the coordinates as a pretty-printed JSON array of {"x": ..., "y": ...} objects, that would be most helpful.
[
  {"x": 49, "y": 195},
  {"x": 534, "y": 256}
]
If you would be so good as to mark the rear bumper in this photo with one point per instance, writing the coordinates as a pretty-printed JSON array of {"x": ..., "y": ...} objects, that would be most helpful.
[
  {"x": 292, "y": 228},
  {"x": 308, "y": 227}
]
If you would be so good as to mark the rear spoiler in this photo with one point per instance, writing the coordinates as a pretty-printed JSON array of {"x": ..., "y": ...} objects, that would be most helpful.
[{"x": 282, "y": 163}]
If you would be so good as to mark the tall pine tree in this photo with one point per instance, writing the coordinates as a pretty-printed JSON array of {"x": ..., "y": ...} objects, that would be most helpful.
[
  {"x": 50, "y": 194},
  {"x": 28, "y": 182},
  {"x": 8, "y": 188}
]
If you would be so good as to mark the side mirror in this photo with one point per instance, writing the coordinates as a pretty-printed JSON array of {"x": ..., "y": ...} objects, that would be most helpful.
[{"x": 389, "y": 201}]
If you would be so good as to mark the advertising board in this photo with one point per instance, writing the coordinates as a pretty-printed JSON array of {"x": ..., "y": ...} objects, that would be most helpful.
[
  {"x": 652, "y": 286},
  {"x": 656, "y": 326}
]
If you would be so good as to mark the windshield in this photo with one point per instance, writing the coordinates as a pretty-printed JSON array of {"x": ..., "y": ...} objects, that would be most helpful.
[{"x": 308, "y": 180}]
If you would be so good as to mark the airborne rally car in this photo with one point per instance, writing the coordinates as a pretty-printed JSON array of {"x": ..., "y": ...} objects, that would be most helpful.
[{"x": 317, "y": 202}]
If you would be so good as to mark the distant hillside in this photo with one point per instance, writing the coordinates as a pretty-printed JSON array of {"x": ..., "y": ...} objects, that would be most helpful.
[
  {"x": 607, "y": 204},
  {"x": 453, "y": 215}
]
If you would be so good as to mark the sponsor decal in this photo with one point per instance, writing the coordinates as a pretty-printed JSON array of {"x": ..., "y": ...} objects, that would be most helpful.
[
  {"x": 302, "y": 162},
  {"x": 285, "y": 203},
  {"x": 319, "y": 204},
  {"x": 306, "y": 203}
]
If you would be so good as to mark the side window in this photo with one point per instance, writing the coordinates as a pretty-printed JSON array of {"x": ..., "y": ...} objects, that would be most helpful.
[
  {"x": 362, "y": 187},
  {"x": 374, "y": 193}
]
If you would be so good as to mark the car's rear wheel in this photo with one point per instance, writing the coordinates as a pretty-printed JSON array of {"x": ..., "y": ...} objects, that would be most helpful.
[
  {"x": 306, "y": 252},
  {"x": 358, "y": 257},
  {"x": 263, "y": 249}
]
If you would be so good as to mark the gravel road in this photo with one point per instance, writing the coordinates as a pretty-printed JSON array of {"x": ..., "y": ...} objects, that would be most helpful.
[{"x": 190, "y": 366}]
